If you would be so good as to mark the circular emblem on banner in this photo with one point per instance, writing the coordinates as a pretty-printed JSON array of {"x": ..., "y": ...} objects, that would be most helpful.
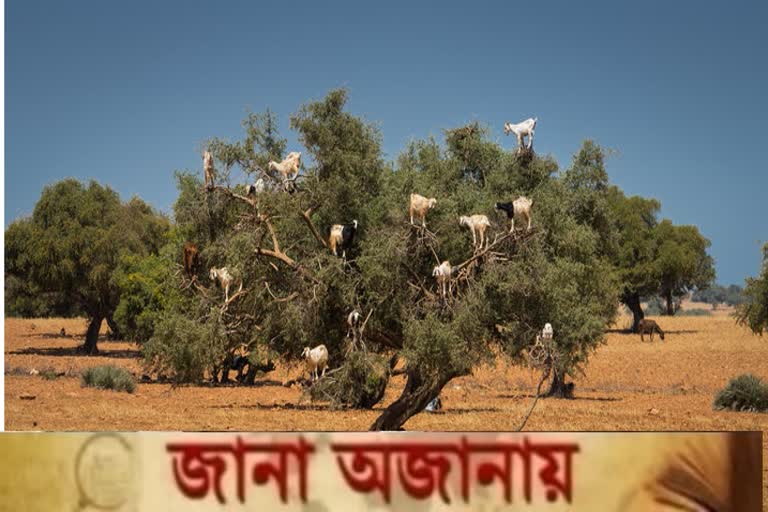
[{"x": 104, "y": 471}]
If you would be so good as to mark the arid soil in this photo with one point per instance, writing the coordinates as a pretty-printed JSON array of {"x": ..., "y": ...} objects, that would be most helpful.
[{"x": 628, "y": 385}]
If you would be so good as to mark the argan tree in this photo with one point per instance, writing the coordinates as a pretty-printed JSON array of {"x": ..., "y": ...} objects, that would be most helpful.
[
  {"x": 754, "y": 311},
  {"x": 296, "y": 293},
  {"x": 71, "y": 245},
  {"x": 681, "y": 261}
]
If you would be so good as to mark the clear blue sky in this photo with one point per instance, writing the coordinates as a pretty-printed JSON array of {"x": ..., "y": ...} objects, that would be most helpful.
[{"x": 125, "y": 92}]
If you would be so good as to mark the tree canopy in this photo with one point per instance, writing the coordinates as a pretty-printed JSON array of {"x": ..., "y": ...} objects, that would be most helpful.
[
  {"x": 71, "y": 245},
  {"x": 754, "y": 311}
]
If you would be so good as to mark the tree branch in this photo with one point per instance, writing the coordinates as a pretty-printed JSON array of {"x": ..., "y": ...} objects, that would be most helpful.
[
  {"x": 524, "y": 236},
  {"x": 277, "y": 254},
  {"x": 229, "y": 192},
  {"x": 306, "y": 216}
]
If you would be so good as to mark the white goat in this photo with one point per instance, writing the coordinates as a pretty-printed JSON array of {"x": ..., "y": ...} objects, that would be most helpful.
[
  {"x": 477, "y": 225},
  {"x": 442, "y": 273},
  {"x": 289, "y": 167},
  {"x": 353, "y": 323},
  {"x": 521, "y": 130},
  {"x": 208, "y": 169},
  {"x": 257, "y": 187},
  {"x": 317, "y": 359},
  {"x": 225, "y": 279},
  {"x": 547, "y": 332},
  {"x": 420, "y": 205}
]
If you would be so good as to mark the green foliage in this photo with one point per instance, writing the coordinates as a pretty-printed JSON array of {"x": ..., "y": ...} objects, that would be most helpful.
[
  {"x": 359, "y": 384},
  {"x": 184, "y": 348},
  {"x": 147, "y": 288},
  {"x": 590, "y": 245},
  {"x": 732, "y": 295},
  {"x": 682, "y": 262},
  {"x": 108, "y": 377},
  {"x": 754, "y": 311},
  {"x": 72, "y": 243},
  {"x": 49, "y": 374},
  {"x": 635, "y": 221},
  {"x": 743, "y": 393}
]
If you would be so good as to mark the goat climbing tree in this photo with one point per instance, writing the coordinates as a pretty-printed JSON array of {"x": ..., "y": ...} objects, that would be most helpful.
[{"x": 296, "y": 294}]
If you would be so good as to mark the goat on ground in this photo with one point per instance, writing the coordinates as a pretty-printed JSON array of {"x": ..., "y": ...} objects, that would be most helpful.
[{"x": 646, "y": 326}]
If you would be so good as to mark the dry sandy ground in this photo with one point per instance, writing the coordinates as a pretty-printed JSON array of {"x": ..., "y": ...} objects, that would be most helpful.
[{"x": 628, "y": 385}]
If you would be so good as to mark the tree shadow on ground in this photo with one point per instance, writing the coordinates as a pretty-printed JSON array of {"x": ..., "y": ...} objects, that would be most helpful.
[
  {"x": 575, "y": 398},
  {"x": 628, "y": 331},
  {"x": 283, "y": 407},
  {"x": 77, "y": 351}
]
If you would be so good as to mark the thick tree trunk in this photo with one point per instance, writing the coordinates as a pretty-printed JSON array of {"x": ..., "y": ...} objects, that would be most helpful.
[
  {"x": 113, "y": 328},
  {"x": 670, "y": 303},
  {"x": 559, "y": 388},
  {"x": 632, "y": 301},
  {"x": 92, "y": 336},
  {"x": 417, "y": 394}
]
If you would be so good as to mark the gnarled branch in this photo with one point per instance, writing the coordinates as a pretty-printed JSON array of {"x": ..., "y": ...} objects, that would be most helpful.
[{"x": 306, "y": 215}]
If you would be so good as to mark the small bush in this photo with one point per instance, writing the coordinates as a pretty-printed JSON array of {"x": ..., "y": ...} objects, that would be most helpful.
[
  {"x": 49, "y": 374},
  {"x": 109, "y": 377},
  {"x": 359, "y": 384},
  {"x": 183, "y": 348},
  {"x": 744, "y": 393}
]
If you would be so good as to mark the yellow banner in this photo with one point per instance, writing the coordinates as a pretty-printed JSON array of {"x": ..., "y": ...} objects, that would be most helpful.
[{"x": 384, "y": 471}]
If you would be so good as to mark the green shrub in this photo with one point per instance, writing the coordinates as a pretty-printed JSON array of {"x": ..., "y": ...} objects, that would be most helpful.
[
  {"x": 108, "y": 377},
  {"x": 359, "y": 384},
  {"x": 49, "y": 374},
  {"x": 744, "y": 393},
  {"x": 183, "y": 348}
]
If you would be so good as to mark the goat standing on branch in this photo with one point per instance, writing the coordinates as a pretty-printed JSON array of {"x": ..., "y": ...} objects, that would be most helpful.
[
  {"x": 547, "y": 333},
  {"x": 341, "y": 238},
  {"x": 257, "y": 187},
  {"x": 224, "y": 278},
  {"x": 317, "y": 359},
  {"x": 420, "y": 205},
  {"x": 522, "y": 130},
  {"x": 288, "y": 168},
  {"x": 477, "y": 225},
  {"x": 442, "y": 273},
  {"x": 208, "y": 169},
  {"x": 520, "y": 206},
  {"x": 191, "y": 259}
]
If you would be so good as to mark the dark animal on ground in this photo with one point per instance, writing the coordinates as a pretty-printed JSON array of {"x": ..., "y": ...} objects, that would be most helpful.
[{"x": 646, "y": 326}]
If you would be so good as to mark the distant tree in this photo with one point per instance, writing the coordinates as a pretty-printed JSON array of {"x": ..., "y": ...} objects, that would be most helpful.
[
  {"x": 634, "y": 260},
  {"x": 72, "y": 243},
  {"x": 754, "y": 311},
  {"x": 681, "y": 262},
  {"x": 732, "y": 295}
]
